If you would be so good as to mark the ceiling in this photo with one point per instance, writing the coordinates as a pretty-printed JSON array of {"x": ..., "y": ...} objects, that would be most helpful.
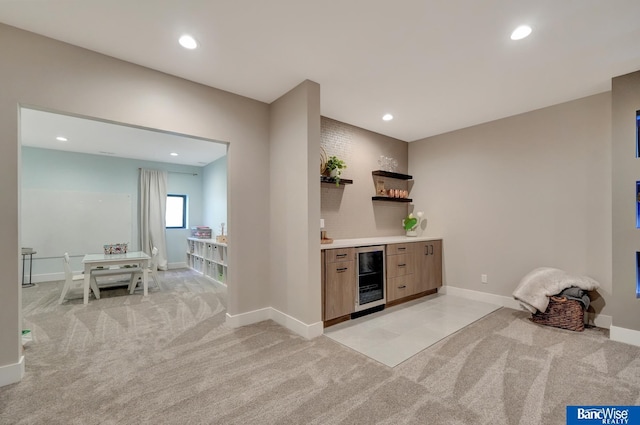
[
  {"x": 40, "y": 129},
  {"x": 435, "y": 65}
]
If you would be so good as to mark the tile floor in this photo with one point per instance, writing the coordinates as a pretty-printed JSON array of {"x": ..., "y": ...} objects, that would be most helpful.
[{"x": 395, "y": 334}]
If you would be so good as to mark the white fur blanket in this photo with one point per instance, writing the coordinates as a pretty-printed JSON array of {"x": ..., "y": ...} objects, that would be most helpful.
[{"x": 537, "y": 286}]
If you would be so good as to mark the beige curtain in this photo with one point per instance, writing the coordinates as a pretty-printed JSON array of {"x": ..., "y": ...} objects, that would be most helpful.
[{"x": 153, "y": 207}]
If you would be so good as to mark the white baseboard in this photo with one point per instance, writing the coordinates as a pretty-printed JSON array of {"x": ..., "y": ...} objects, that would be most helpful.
[
  {"x": 480, "y": 296},
  {"x": 46, "y": 277},
  {"x": 599, "y": 320},
  {"x": 248, "y": 318},
  {"x": 628, "y": 336},
  {"x": 307, "y": 331},
  {"x": 53, "y": 277},
  {"x": 10, "y": 374}
]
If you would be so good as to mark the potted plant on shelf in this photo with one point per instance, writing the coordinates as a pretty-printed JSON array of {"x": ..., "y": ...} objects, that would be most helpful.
[{"x": 335, "y": 167}]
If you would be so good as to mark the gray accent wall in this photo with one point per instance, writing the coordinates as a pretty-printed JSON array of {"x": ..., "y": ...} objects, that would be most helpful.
[
  {"x": 348, "y": 210},
  {"x": 626, "y": 172},
  {"x": 522, "y": 192}
]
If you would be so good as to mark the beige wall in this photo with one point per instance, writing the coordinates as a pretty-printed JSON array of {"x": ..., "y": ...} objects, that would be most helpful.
[
  {"x": 519, "y": 193},
  {"x": 348, "y": 211},
  {"x": 37, "y": 71},
  {"x": 626, "y": 172},
  {"x": 295, "y": 203}
]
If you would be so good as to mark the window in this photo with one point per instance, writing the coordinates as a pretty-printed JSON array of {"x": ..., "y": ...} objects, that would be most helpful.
[{"x": 176, "y": 217}]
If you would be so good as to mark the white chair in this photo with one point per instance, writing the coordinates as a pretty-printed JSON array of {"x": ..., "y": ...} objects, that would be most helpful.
[
  {"x": 70, "y": 278},
  {"x": 152, "y": 271}
]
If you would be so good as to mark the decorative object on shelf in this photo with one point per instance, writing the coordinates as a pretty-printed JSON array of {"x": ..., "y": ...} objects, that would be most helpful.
[
  {"x": 323, "y": 160},
  {"x": 391, "y": 195},
  {"x": 221, "y": 238},
  {"x": 335, "y": 167},
  {"x": 380, "y": 190},
  {"x": 411, "y": 223},
  {"x": 201, "y": 232}
]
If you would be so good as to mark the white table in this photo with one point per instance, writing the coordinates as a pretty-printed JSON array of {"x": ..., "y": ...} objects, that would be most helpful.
[{"x": 91, "y": 261}]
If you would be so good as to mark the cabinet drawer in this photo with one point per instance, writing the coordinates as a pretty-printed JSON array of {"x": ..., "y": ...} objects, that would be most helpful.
[
  {"x": 400, "y": 287},
  {"x": 399, "y": 248},
  {"x": 400, "y": 265},
  {"x": 340, "y": 254}
]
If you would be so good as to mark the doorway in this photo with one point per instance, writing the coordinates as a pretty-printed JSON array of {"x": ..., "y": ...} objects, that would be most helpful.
[{"x": 68, "y": 157}]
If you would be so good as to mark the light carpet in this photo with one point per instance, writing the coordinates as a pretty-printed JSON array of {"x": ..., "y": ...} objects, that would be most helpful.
[{"x": 169, "y": 359}]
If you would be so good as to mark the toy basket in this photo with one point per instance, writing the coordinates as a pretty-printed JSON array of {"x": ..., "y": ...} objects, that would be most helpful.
[{"x": 561, "y": 313}]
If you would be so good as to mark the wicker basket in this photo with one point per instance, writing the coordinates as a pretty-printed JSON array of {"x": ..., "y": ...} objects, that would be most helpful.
[{"x": 561, "y": 313}]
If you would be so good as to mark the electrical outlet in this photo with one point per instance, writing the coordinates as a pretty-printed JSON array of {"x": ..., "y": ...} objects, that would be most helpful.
[{"x": 483, "y": 278}]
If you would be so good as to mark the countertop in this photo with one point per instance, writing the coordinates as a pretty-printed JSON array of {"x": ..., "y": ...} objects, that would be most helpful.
[{"x": 380, "y": 240}]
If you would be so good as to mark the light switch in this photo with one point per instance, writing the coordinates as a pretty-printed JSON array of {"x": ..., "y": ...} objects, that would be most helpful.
[{"x": 322, "y": 223}]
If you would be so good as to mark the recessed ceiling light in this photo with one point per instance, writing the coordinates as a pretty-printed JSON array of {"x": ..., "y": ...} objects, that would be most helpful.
[
  {"x": 387, "y": 117},
  {"x": 521, "y": 32},
  {"x": 173, "y": 154},
  {"x": 61, "y": 139},
  {"x": 188, "y": 42}
]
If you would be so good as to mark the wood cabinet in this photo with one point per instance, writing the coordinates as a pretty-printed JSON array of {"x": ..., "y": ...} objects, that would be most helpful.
[
  {"x": 339, "y": 282},
  {"x": 413, "y": 270},
  {"x": 401, "y": 281},
  {"x": 428, "y": 256}
]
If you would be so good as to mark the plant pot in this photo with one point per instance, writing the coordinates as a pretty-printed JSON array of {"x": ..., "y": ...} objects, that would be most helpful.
[
  {"x": 334, "y": 173},
  {"x": 412, "y": 232}
]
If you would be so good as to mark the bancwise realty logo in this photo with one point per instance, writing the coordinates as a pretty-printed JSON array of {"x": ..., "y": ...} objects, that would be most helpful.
[{"x": 619, "y": 415}]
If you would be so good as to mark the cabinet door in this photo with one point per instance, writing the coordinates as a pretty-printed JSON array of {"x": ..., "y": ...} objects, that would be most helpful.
[
  {"x": 340, "y": 289},
  {"x": 429, "y": 265}
]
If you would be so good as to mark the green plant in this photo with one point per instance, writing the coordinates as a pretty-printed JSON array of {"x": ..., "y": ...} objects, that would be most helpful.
[
  {"x": 410, "y": 222},
  {"x": 334, "y": 163}
]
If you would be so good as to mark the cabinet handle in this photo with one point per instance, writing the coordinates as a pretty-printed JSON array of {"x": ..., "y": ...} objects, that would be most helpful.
[
  {"x": 402, "y": 287},
  {"x": 431, "y": 249},
  {"x": 342, "y": 269},
  {"x": 426, "y": 250},
  {"x": 402, "y": 249},
  {"x": 401, "y": 265},
  {"x": 341, "y": 255}
]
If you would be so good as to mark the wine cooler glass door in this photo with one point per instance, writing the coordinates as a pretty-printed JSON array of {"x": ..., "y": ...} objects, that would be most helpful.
[{"x": 371, "y": 277}]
